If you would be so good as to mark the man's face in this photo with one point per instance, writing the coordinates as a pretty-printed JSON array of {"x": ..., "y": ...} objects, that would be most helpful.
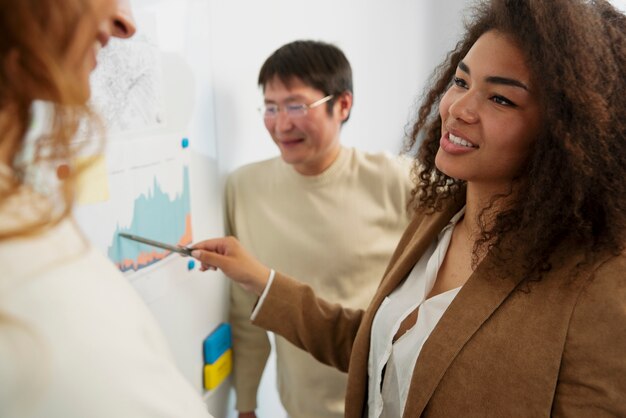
[{"x": 309, "y": 142}]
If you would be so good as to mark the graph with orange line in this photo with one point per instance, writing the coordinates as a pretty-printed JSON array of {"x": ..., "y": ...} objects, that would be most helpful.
[{"x": 158, "y": 216}]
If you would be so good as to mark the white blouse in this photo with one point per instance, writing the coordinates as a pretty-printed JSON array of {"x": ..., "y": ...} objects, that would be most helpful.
[{"x": 387, "y": 397}]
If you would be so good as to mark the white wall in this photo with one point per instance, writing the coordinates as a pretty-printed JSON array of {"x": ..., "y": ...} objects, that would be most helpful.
[
  {"x": 392, "y": 47},
  {"x": 379, "y": 38},
  {"x": 620, "y": 4}
]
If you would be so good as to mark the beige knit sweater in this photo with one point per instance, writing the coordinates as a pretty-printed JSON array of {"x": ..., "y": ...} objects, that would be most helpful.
[{"x": 336, "y": 232}]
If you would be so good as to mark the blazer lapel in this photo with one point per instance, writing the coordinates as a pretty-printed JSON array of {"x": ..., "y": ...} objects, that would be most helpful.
[
  {"x": 422, "y": 235},
  {"x": 481, "y": 295},
  {"x": 418, "y": 236}
]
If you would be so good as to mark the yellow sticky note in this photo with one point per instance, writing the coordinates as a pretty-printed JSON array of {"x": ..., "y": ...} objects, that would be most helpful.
[
  {"x": 92, "y": 184},
  {"x": 215, "y": 373}
]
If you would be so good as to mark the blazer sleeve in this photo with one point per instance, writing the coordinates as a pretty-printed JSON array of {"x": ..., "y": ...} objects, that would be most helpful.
[
  {"x": 592, "y": 379},
  {"x": 326, "y": 330}
]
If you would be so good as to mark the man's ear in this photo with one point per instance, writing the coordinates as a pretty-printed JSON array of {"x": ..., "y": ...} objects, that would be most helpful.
[{"x": 344, "y": 103}]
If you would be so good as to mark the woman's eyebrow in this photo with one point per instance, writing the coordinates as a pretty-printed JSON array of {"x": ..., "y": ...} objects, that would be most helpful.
[{"x": 496, "y": 79}]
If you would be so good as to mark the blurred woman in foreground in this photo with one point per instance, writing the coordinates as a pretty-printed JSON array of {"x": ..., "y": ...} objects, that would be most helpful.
[{"x": 75, "y": 338}]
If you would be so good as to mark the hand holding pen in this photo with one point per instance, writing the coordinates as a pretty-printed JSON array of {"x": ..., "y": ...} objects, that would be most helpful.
[{"x": 228, "y": 255}]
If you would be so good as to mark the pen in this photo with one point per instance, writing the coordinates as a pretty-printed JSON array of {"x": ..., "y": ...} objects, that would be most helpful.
[{"x": 184, "y": 251}]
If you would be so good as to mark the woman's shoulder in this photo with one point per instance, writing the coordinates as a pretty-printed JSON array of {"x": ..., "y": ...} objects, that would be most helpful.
[
  {"x": 592, "y": 366},
  {"x": 82, "y": 335},
  {"x": 58, "y": 281},
  {"x": 610, "y": 272}
]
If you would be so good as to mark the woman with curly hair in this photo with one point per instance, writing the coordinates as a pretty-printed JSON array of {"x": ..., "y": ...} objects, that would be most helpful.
[
  {"x": 76, "y": 340},
  {"x": 506, "y": 296}
]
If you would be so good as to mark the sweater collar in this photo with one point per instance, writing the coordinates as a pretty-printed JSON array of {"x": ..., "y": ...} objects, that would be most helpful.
[{"x": 327, "y": 176}]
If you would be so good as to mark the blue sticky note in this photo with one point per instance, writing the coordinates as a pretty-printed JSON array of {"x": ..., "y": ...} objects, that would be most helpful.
[{"x": 217, "y": 343}]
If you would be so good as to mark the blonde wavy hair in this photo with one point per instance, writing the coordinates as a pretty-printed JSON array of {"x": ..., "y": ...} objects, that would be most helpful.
[{"x": 35, "y": 36}]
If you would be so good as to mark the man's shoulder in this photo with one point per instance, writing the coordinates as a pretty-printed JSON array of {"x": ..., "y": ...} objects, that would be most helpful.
[
  {"x": 252, "y": 171},
  {"x": 382, "y": 160},
  {"x": 383, "y": 169}
]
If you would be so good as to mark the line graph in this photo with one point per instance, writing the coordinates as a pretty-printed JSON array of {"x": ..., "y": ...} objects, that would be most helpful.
[{"x": 158, "y": 216}]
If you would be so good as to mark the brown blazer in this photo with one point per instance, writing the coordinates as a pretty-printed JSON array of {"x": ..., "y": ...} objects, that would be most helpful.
[{"x": 506, "y": 347}]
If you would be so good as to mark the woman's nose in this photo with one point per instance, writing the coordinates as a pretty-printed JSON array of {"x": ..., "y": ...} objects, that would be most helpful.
[
  {"x": 123, "y": 23},
  {"x": 464, "y": 108}
]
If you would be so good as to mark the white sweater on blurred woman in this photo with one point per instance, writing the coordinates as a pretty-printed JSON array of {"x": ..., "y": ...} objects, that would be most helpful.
[{"x": 76, "y": 340}]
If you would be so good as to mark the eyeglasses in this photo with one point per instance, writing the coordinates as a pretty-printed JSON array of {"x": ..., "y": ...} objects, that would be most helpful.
[{"x": 293, "y": 110}]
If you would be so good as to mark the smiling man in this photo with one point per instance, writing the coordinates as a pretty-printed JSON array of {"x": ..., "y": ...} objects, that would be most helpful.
[{"x": 326, "y": 213}]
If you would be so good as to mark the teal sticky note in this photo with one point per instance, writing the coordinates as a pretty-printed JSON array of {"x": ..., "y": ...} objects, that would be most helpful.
[{"x": 217, "y": 343}]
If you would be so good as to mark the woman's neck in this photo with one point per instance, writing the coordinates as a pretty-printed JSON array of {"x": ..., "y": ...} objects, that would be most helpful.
[
  {"x": 9, "y": 135},
  {"x": 478, "y": 198}
]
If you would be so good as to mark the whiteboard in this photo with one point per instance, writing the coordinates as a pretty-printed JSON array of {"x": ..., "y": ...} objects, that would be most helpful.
[{"x": 157, "y": 176}]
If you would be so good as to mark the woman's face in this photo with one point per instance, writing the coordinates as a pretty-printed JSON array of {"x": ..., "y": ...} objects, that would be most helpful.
[
  {"x": 106, "y": 19},
  {"x": 490, "y": 115}
]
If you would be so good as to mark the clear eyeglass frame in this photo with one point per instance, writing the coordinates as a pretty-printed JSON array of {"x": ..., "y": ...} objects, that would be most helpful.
[{"x": 293, "y": 110}]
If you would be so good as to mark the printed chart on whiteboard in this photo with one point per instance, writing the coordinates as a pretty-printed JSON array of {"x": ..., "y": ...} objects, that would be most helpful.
[
  {"x": 141, "y": 184},
  {"x": 158, "y": 215},
  {"x": 157, "y": 175}
]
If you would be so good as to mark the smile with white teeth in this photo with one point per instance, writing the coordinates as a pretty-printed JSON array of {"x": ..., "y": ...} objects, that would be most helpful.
[{"x": 460, "y": 141}]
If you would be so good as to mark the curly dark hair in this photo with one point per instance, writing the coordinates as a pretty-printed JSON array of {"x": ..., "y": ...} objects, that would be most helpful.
[{"x": 573, "y": 184}]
